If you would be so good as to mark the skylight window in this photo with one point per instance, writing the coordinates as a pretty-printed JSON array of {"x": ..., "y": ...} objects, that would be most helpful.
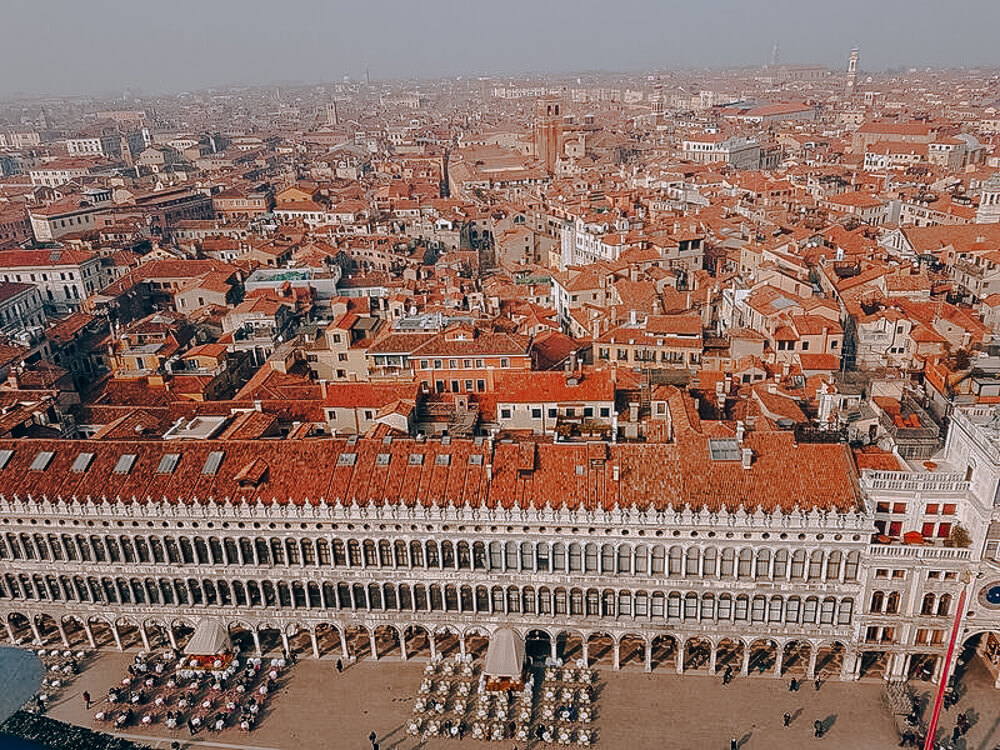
[
  {"x": 168, "y": 463},
  {"x": 416, "y": 459},
  {"x": 81, "y": 463},
  {"x": 724, "y": 449},
  {"x": 347, "y": 459},
  {"x": 442, "y": 459},
  {"x": 124, "y": 465},
  {"x": 212, "y": 463},
  {"x": 476, "y": 459},
  {"x": 42, "y": 460},
  {"x": 383, "y": 459}
]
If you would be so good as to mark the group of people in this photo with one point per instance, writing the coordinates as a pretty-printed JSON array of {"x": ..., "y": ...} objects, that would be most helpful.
[{"x": 914, "y": 738}]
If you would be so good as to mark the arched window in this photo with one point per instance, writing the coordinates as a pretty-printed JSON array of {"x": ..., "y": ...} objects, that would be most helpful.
[
  {"x": 709, "y": 560},
  {"x": 593, "y": 603},
  {"x": 675, "y": 568},
  {"x": 625, "y": 603},
  {"x": 544, "y": 601},
  {"x": 479, "y": 556},
  {"x": 781, "y": 564},
  {"x": 674, "y": 606},
  {"x": 399, "y": 549},
  {"x": 792, "y": 608},
  {"x": 590, "y": 559},
  {"x": 498, "y": 600},
  {"x": 625, "y": 559},
  {"x": 576, "y": 602},
  {"x": 845, "y": 611},
  {"x": 851, "y": 566},
  {"x": 944, "y": 604},
  {"x": 763, "y": 567},
  {"x": 691, "y": 560},
  {"x": 384, "y": 553},
  {"x": 658, "y": 607},
  {"x": 775, "y": 609},
  {"x": 927, "y": 606},
  {"x": 608, "y": 604},
  {"x": 833, "y": 563},
  {"x": 746, "y": 562},
  {"x": 878, "y": 601},
  {"x": 542, "y": 556},
  {"x": 354, "y": 553},
  {"x": 527, "y": 556},
  {"x": 725, "y": 607},
  {"x": 727, "y": 568},
  {"x": 892, "y": 603},
  {"x": 511, "y": 556},
  {"x": 641, "y": 557},
  {"x": 277, "y": 552},
  {"x": 608, "y": 559},
  {"x": 464, "y": 556},
  {"x": 496, "y": 556},
  {"x": 827, "y": 611},
  {"x": 215, "y": 548},
  {"x": 798, "y": 565},
  {"x": 742, "y": 609},
  {"x": 528, "y": 600},
  {"x": 371, "y": 556},
  {"x": 659, "y": 560},
  {"x": 758, "y": 609},
  {"x": 263, "y": 551},
  {"x": 201, "y": 551},
  {"x": 575, "y": 558},
  {"x": 816, "y": 565},
  {"x": 559, "y": 557},
  {"x": 339, "y": 552},
  {"x": 707, "y": 607},
  {"x": 809, "y": 610},
  {"x": 513, "y": 599},
  {"x": 447, "y": 554},
  {"x": 416, "y": 554}
]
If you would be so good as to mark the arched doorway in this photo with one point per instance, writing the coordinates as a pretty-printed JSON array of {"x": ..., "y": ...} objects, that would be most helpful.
[
  {"x": 241, "y": 635},
  {"x": 21, "y": 627},
  {"x": 569, "y": 647},
  {"x": 358, "y": 642},
  {"x": 632, "y": 651},
  {"x": 76, "y": 634},
  {"x": 729, "y": 654},
  {"x": 873, "y": 663},
  {"x": 299, "y": 640},
  {"x": 446, "y": 641},
  {"x": 183, "y": 630},
  {"x": 101, "y": 631},
  {"x": 763, "y": 656},
  {"x": 387, "y": 641},
  {"x": 128, "y": 634},
  {"x": 697, "y": 654},
  {"x": 476, "y": 643},
  {"x": 417, "y": 641},
  {"x": 270, "y": 639},
  {"x": 538, "y": 646},
  {"x": 663, "y": 652},
  {"x": 921, "y": 667},
  {"x": 600, "y": 649},
  {"x": 156, "y": 634},
  {"x": 328, "y": 640},
  {"x": 830, "y": 659},
  {"x": 48, "y": 629},
  {"x": 795, "y": 658}
]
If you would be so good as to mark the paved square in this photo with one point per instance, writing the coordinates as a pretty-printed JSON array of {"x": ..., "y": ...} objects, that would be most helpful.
[{"x": 319, "y": 709}]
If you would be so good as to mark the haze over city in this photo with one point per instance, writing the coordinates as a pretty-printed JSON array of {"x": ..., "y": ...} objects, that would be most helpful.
[{"x": 105, "y": 46}]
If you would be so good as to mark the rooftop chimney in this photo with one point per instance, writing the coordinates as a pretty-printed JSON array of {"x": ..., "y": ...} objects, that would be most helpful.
[
  {"x": 747, "y": 456},
  {"x": 740, "y": 430}
]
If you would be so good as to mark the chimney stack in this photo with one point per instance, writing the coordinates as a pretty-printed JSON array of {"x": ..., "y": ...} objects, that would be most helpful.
[{"x": 747, "y": 456}]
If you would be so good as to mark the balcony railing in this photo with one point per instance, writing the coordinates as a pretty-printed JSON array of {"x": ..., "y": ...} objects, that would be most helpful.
[{"x": 919, "y": 552}]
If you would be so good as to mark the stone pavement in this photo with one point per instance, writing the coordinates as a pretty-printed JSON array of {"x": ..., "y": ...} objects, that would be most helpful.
[{"x": 321, "y": 710}]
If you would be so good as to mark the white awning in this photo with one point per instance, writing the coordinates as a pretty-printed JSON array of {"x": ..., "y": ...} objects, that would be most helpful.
[
  {"x": 210, "y": 638},
  {"x": 505, "y": 655}
]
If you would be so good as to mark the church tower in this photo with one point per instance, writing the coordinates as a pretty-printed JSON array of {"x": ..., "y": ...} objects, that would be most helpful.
[
  {"x": 989, "y": 201},
  {"x": 852, "y": 72},
  {"x": 548, "y": 129}
]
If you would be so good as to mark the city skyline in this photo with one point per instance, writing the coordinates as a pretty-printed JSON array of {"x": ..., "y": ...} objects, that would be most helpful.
[{"x": 123, "y": 50}]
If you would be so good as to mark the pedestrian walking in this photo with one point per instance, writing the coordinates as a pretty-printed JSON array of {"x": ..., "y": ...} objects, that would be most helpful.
[
  {"x": 372, "y": 737},
  {"x": 340, "y": 666},
  {"x": 734, "y": 744},
  {"x": 793, "y": 685},
  {"x": 86, "y": 699},
  {"x": 817, "y": 728},
  {"x": 817, "y": 683},
  {"x": 787, "y": 718}
]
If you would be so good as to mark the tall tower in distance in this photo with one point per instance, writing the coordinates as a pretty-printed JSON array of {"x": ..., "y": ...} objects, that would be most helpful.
[
  {"x": 774, "y": 56},
  {"x": 852, "y": 72},
  {"x": 332, "y": 118},
  {"x": 548, "y": 127}
]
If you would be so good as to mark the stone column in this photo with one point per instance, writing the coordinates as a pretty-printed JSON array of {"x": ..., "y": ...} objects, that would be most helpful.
[
  {"x": 284, "y": 642},
  {"x": 62, "y": 633},
  {"x": 173, "y": 639},
  {"x": 461, "y": 644},
  {"x": 745, "y": 668},
  {"x": 779, "y": 659},
  {"x": 10, "y": 631},
  {"x": 315, "y": 645},
  {"x": 90, "y": 635},
  {"x": 811, "y": 669},
  {"x": 402, "y": 646},
  {"x": 713, "y": 656},
  {"x": 586, "y": 652},
  {"x": 616, "y": 664},
  {"x": 554, "y": 649},
  {"x": 343, "y": 643},
  {"x": 34, "y": 629},
  {"x": 145, "y": 638},
  {"x": 118, "y": 639},
  {"x": 680, "y": 657},
  {"x": 649, "y": 656},
  {"x": 430, "y": 640},
  {"x": 254, "y": 633},
  {"x": 374, "y": 645}
]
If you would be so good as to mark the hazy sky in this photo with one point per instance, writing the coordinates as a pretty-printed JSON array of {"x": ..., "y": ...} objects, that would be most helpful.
[{"x": 103, "y": 46}]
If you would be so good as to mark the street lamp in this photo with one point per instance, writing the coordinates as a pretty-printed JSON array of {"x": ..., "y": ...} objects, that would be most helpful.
[{"x": 967, "y": 578}]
